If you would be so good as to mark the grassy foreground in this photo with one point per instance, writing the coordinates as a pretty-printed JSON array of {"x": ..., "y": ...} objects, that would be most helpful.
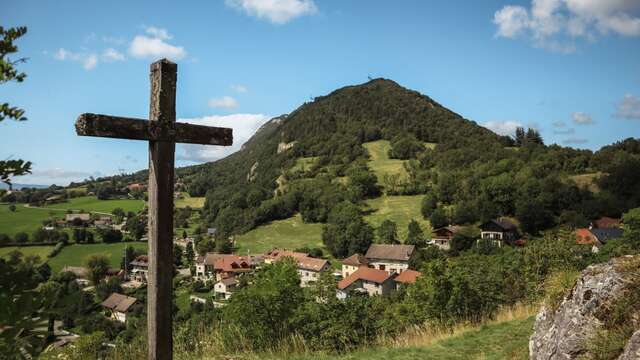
[
  {"x": 399, "y": 209},
  {"x": 75, "y": 255}
]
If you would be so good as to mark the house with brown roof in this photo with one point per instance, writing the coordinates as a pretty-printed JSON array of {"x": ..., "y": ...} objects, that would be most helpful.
[
  {"x": 373, "y": 282},
  {"x": 585, "y": 237},
  {"x": 310, "y": 268},
  {"x": 274, "y": 255},
  {"x": 224, "y": 288},
  {"x": 77, "y": 219},
  {"x": 605, "y": 222},
  {"x": 390, "y": 258},
  {"x": 353, "y": 263},
  {"x": 499, "y": 231},
  {"x": 442, "y": 237},
  {"x": 407, "y": 277},
  {"x": 140, "y": 268},
  {"x": 118, "y": 305},
  {"x": 218, "y": 266}
]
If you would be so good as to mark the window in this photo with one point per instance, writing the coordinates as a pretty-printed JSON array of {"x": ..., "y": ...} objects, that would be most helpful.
[{"x": 382, "y": 267}]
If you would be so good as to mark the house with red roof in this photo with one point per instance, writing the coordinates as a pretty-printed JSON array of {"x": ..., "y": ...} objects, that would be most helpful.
[
  {"x": 353, "y": 263},
  {"x": 390, "y": 258},
  {"x": 407, "y": 277},
  {"x": 605, "y": 222},
  {"x": 373, "y": 282}
]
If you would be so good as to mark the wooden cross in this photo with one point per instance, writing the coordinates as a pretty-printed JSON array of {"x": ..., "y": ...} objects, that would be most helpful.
[{"x": 162, "y": 132}]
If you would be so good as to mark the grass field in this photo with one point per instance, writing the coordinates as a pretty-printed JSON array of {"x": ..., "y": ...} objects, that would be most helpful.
[
  {"x": 41, "y": 251},
  {"x": 24, "y": 219},
  {"x": 92, "y": 204},
  {"x": 400, "y": 209},
  {"x": 587, "y": 181},
  {"x": 380, "y": 162},
  {"x": 290, "y": 233},
  {"x": 499, "y": 341},
  {"x": 187, "y": 200},
  {"x": 75, "y": 255}
]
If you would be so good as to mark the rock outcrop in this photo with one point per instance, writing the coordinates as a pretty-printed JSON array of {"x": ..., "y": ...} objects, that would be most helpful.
[{"x": 565, "y": 330}]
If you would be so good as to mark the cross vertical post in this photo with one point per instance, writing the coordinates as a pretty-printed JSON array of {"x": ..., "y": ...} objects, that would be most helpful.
[{"x": 161, "y": 173}]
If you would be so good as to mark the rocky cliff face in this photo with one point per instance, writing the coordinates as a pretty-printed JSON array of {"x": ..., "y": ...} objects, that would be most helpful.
[{"x": 573, "y": 328}]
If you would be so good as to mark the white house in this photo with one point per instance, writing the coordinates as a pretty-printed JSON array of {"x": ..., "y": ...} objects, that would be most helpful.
[
  {"x": 390, "y": 258},
  {"x": 374, "y": 282},
  {"x": 353, "y": 263},
  {"x": 310, "y": 268},
  {"x": 118, "y": 305},
  {"x": 140, "y": 268},
  {"x": 225, "y": 287}
]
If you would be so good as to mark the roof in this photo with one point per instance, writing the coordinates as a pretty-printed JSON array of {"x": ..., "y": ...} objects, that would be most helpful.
[
  {"x": 355, "y": 260},
  {"x": 584, "y": 236},
  {"x": 408, "y": 276},
  {"x": 364, "y": 273},
  {"x": 454, "y": 229},
  {"x": 83, "y": 217},
  {"x": 390, "y": 252},
  {"x": 79, "y": 271},
  {"x": 142, "y": 260},
  {"x": 276, "y": 254},
  {"x": 504, "y": 224},
  {"x": 606, "y": 222},
  {"x": 232, "y": 263},
  {"x": 119, "y": 302},
  {"x": 229, "y": 281},
  {"x": 313, "y": 264},
  {"x": 606, "y": 234}
]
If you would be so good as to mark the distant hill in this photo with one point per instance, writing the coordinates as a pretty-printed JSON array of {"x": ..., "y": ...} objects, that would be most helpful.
[{"x": 17, "y": 186}]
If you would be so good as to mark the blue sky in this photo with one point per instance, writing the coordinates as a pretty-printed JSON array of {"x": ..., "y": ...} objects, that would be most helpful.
[{"x": 570, "y": 68}]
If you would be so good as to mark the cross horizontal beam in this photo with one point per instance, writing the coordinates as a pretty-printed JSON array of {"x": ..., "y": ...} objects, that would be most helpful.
[{"x": 137, "y": 129}]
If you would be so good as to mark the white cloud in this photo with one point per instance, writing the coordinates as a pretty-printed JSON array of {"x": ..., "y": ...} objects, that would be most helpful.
[
  {"x": 275, "y": 11},
  {"x": 225, "y": 102},
  {"x": 158, "y": 33},
  {"x": 111, "y": 54},
  {"x": 581, "y": 118},
  {"x": 568, "y": 131},
  {"x": 557, "y": 24},
  {"x": 88, "y": 60},
  {"x": 559, "y": 124},
  {"x": 243, "y": 125},
  {"x": 629, "y": 108},
  {"x": 239, "y": 88},
  {"x": 155, "y": 48},
  {"x": 502, "y": 127}
]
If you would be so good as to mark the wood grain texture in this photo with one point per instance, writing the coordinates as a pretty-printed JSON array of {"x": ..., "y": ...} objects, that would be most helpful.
[
  {"x": 138, "y": 129},
  {"x": 161, "y": 173}
]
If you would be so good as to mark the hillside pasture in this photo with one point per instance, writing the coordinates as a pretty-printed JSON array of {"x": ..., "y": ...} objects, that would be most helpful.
[
  {"x": 41, "y": 251},
  {"x": 289, "y": 233},
  {"x": 304, "y": 163},
  {"x": 76, "y": 255},
  {"x": 188, "y": 200},
  {"x": 399, "y": 209},
  {"x": 92, "y": 204},
  {"x": 24, "y": 219},
  {"x": 380, "y": 163},
  {"x": 587, "y": 181}
]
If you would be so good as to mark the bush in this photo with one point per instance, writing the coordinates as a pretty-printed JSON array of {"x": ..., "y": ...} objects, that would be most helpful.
[
  {"x": 56, "y": 249},
  {"x": 21, "y": 237}
]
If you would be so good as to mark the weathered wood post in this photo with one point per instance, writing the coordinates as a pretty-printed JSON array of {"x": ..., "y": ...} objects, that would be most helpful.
[{"x": 163, "y": 132}]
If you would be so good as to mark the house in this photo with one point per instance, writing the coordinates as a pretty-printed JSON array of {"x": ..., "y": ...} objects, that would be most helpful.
[
  {"x": 407, "y": 277},
  {"x": 80, "y": 273},
  {"x": 219, "y": 266},
  {"x": 500, "y": 231},
  {"x": 104, "y": 222},
  {"x": 117, "y": 305},
  {"x": 77, "y": 219},
  {"x": 605, "y": 234},
  {"x": 353, "y": 263},
  {"x": 605, "y": 222},
  {"x": 137, "y": 187},
  {"x": 225, "y": 287},
  {"x": 310, "y": 268},
  {"x": 277, "y": 254},
  {"x": 373, "y": 282},
  {"x": 585, "y": 237},
  {"x": 140, "y": 268},
  {"x": 54, "y": 199},
  {"x": 390, "y": 258},
  {"x": 442, "y": 237}
]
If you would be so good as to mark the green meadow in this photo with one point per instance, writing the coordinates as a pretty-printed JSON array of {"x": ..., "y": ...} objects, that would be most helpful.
[
  {"x": 289, "y": 233},
  {"x": 399, "y": 209},
  {"x": 379, "y": 161},
  {"x": 92, "y": 204},
  {"x": 24, "y": 219},
  {"x": 41, "y": 251},
  {"x": 187, "y": 200},
  {"x": 76, "y": 254}
]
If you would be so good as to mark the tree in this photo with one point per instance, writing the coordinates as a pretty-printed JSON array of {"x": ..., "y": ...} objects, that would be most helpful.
[
  {"x": 4, "y": 239},
  {"x": 97, "y": 266},
  {"x": 346, "y": 232},
  {"x": 118, "y": 213},
  {"x": 137, "y": 226},
  {"x": 533, "y": 215},
  {"x": 189, "y": 254},
  {"x": 388, "y": 232},
  {"x": 415, "y": 235},
  {"x": 21, "y": 237},
  {"x": 520, "y": 136},
  {"x": 429, "y": 203},
  {"x": 50, "y": 292},
  {"x": 12, "y": 208},
  {"x": 111, "y": 236},
  {"x": 438, "y": 218},
  {"x": 177, "y": 255},
  {"x": 107, "y": 287},
  {"x": 460, "y": 243},
  {"x": 11, "y": 168}
]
